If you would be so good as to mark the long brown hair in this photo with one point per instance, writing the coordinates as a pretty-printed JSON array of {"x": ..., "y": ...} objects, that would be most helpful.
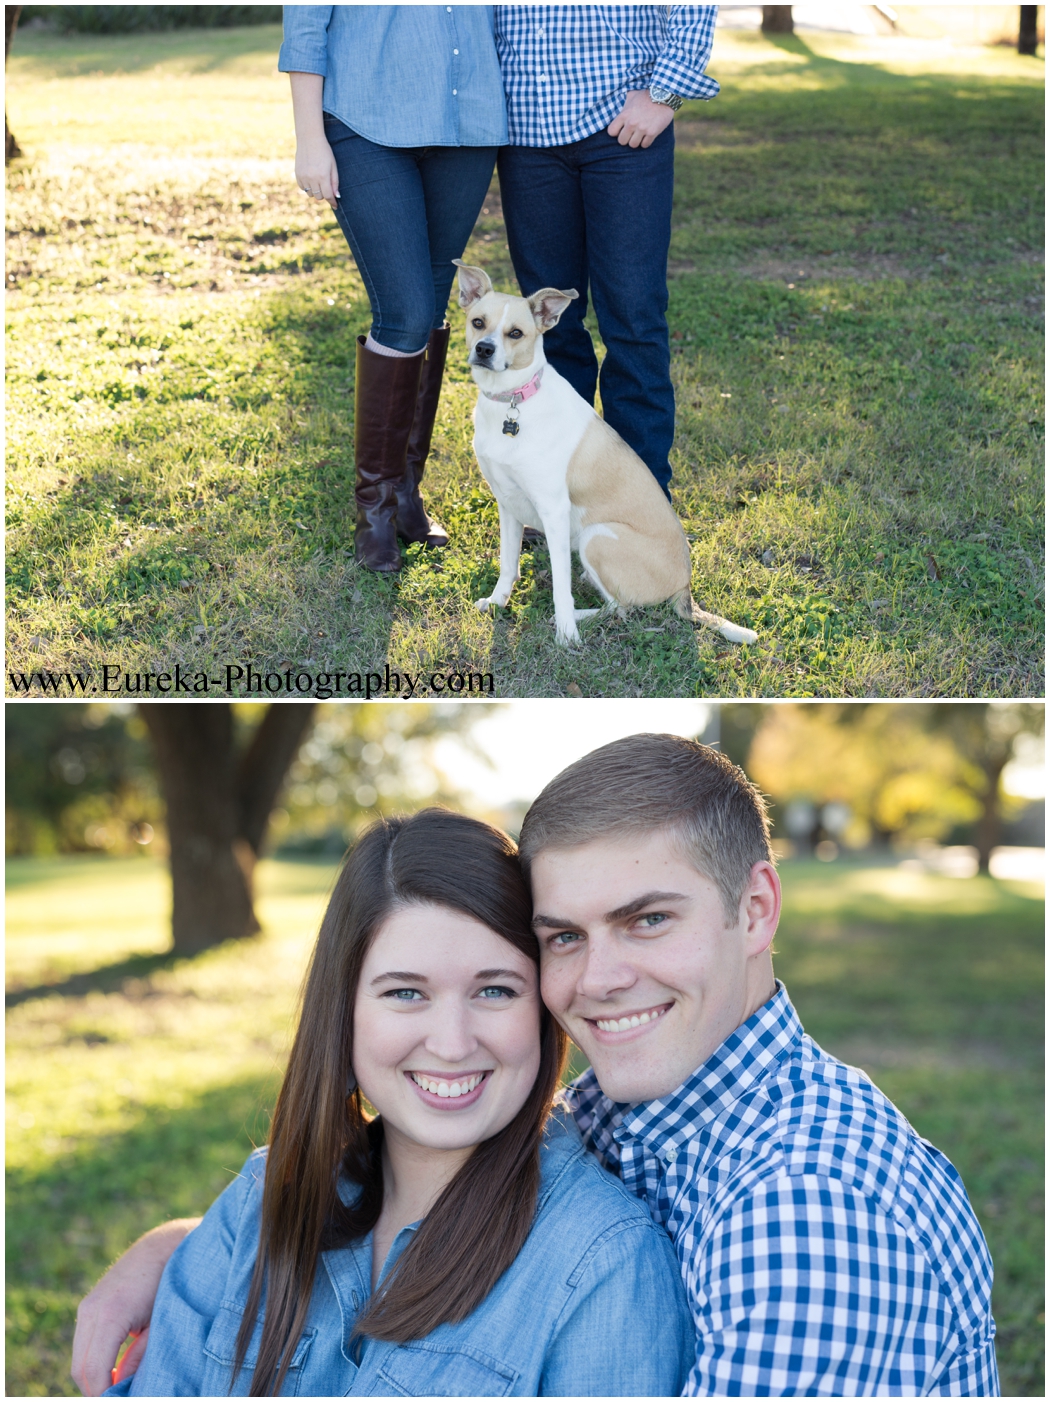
[{"x": 481, "y": 1220}]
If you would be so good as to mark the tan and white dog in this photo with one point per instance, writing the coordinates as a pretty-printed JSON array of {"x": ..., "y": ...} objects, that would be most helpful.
[{"x": 554, "y": 464}]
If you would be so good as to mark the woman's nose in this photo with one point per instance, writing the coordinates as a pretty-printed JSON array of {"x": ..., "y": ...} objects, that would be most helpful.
[{"x": 451, "y": 1037}]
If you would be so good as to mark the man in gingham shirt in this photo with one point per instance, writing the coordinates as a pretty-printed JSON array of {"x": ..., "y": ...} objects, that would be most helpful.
[
  {"x": 586, "y": 184},
  {"x": 826, "y": 1249}
]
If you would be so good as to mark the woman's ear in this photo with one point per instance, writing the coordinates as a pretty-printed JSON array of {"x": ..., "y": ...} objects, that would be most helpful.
[
  {"x": 548, "y": 304},
  {"x": 474, "y": 283}
]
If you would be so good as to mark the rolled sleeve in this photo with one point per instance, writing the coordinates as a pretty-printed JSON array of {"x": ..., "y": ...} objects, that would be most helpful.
[
  {"x": 685, "y": 55},
  {"x": 305, "y": 46}
]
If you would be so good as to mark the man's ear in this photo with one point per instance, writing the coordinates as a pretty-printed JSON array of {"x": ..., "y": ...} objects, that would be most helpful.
[
  {"x": 474, "y": 283},
  {"x": 548, "y": 304}
]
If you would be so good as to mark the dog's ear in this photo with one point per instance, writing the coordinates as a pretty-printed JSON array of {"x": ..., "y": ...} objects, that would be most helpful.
[
  {"x": 474, "y": 283},
  {"x": 548, "y": 304}
]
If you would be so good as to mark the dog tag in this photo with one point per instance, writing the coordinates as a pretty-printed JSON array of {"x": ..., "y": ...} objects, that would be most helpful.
[{"x": 510, "y": 426}]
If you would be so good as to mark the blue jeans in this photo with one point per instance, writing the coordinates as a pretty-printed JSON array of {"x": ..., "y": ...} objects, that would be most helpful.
[
  {"x": 406, "y": 213},
  {"x": 597, "y": 213}
]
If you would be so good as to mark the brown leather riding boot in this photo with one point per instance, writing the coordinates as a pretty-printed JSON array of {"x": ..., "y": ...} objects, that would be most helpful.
[
  {"x": 384, "y": 403},
  {"x": 413, "y": 523}
]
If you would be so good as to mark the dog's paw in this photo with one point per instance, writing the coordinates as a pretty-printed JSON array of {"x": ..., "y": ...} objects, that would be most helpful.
[
  {"x": 567, "y": 637},
  {"x": 736, "y": 634},
  {"x": 493, "y": 601}
]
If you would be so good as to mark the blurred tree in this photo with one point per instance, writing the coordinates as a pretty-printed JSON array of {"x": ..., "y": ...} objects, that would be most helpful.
[
  {"x": 1028, "y": 31},
  {"x": 218, "y": 798},
  {"x": 986, "y": 733},
  {"x": 777, "y": 19},
  {"x": 11, "y": 13},
  {"x": 903, "y": 771}
]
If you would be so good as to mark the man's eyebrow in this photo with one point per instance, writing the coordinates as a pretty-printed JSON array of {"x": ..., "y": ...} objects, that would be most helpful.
[
  {"x": 401, "y": 976},
  {"x": 622, "y": 912},
  {"x": 633, "y": 907}
]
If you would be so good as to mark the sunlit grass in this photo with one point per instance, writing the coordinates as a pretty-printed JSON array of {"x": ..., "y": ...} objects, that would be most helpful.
[
  {"x": 856, "y": 319},
  {"x": 133, "y": 1100}
]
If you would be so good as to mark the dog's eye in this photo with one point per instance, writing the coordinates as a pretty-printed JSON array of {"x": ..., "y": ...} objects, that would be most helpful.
[
  {"x": 515, "y": 334},
  {"x": 479, "y": 323}
]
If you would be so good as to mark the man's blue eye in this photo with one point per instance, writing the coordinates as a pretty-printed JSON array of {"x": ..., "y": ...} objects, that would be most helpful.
[
  {"x": 566, "y": 937},
  {"x": 656, "y": 919}
]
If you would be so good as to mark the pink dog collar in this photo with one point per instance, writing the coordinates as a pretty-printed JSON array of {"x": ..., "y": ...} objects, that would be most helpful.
[{"x": 514, "y": 397}]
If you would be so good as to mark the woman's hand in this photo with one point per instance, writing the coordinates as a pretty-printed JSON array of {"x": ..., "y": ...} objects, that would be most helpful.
[
  {"x": 121, "y": 1304},
  {"x": 315, "y": 169}
]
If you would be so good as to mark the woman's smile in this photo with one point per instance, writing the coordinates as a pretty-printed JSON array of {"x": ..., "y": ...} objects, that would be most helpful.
[{"x": 445, "y": 1091}]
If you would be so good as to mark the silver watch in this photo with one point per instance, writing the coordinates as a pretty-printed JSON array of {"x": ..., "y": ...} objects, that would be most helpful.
[{"x": 666, "y": 98}]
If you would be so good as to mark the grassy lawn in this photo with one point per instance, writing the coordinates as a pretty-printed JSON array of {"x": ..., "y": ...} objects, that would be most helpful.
[
  {"x": 134, "y": 1093},
  {"x": 856, "y": 311}
]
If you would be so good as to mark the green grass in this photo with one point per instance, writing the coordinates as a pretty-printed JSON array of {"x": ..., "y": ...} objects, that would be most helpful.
[
  {"x": 133, "y": 1094},
  {"x": 856, "y": 307}
]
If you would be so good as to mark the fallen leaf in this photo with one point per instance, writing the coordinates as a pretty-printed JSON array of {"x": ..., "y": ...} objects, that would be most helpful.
[
  {"x": 573, "y": 689},
  {"x": 931, "y": 567}
]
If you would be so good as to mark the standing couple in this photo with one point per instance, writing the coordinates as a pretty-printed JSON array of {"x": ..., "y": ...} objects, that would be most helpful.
[
  {"x": 717, "y": 1206},
  {"x": 400, "y": 112}
]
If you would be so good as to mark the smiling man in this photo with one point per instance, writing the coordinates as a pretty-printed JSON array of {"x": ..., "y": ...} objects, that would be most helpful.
[{"x": 827, "y": 1250}]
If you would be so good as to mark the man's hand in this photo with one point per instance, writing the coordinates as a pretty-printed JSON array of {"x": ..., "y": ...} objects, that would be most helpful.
[
  {"x": 121, "y": 1304},
  {"x": 641, "y": 121}
]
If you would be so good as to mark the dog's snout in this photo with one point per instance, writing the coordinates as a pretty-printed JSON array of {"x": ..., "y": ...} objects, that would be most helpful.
[{"x": 485, "y": 350}]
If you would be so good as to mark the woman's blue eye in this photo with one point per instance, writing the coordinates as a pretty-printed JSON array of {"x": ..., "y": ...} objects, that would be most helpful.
[
  {"x": 404, "y": 995},
  {"x": 495, "y": 991}
]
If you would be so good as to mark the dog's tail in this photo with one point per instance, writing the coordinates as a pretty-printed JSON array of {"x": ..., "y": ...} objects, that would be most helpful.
[{"x": 685, "y": 606}]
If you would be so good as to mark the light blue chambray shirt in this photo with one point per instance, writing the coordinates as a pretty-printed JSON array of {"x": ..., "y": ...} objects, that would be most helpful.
[
  {"x": 403, "y": 75},
  {"x": 593, "y": 1306}
]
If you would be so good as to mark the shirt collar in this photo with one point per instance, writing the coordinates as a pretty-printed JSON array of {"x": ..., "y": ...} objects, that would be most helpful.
[{"x": 743, "y": 1059}]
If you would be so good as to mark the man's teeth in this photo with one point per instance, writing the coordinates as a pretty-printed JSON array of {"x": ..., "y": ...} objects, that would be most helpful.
[
  {"x": 635, "y": 1020},
  {"x": 448, "y": 1090}
]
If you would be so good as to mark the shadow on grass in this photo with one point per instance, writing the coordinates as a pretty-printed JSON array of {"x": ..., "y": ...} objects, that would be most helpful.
[{"x": 110, "y": 978}]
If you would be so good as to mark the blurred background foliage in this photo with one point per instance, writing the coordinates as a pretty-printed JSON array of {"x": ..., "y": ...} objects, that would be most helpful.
[{"x": 81, "y": 777}]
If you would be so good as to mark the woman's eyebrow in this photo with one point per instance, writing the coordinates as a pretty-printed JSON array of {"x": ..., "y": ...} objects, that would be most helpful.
[
  {"x": 500, "y": 973},
  {"x": 401, "y": 977}
]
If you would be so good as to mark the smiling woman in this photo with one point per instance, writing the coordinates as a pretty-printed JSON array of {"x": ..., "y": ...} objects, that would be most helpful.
[{"x": 400, "y": 1253}]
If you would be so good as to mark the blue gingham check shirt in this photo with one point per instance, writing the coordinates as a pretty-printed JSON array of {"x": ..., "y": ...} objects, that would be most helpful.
[
  {"x": 827, "y": 1250},
  {"x": 567, "y": 68}
]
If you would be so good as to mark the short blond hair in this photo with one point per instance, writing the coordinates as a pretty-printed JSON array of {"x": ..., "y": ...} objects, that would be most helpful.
[{"x": 647, "y": 783}]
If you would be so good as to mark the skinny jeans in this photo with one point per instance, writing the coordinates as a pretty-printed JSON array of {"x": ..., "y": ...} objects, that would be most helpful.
[{"x": 407, "y": 211}]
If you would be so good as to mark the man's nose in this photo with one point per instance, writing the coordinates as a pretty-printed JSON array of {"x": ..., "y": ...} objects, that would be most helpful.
[{"x": 604, "y": 971}]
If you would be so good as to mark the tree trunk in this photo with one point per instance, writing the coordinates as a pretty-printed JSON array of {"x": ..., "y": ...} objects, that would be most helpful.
[
  {"x": 989, "y": 824},
  {"x": 217, "y": 810},
  {"x": 1028, "y": 35},
  {"x": 777, "y": 19},
  {"x": 11, "y": 13}
]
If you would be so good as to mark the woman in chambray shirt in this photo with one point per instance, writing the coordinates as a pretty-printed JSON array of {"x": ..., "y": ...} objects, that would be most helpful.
[
  {"x": 399, "y": 110},
  {"x": 462, "y": 1244}
]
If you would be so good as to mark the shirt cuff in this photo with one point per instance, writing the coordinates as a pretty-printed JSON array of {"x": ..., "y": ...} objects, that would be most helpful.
[
  {"x": 302, "y": 58},
  {"x": 668, "y": 74}
]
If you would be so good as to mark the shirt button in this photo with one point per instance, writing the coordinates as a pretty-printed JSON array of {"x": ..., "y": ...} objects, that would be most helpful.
[
  {"x": 670, "y": 1156},
  {"x": 543, "y": 77},
  {"x": 455, "y": 51},
  {"x": 455, "y": 92}
]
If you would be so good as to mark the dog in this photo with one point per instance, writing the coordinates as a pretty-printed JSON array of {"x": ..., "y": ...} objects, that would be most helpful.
[{"x": 556, "y": 465}]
